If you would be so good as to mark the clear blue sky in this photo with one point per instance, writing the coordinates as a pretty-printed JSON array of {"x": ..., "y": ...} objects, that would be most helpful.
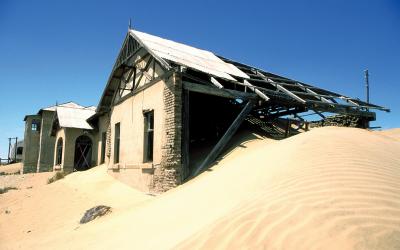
[{"x": 64, "y": 50}]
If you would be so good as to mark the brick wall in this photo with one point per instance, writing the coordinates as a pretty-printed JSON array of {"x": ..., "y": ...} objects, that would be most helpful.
[
  {"x": 108, "y": 138},
  {"x": 169, "y": 173}
]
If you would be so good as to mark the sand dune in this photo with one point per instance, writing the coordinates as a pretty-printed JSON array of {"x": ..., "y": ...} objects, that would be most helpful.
[
  {"x": 344, "y": 194},
  {"x": 331, "y": 188},
  {"x": 44, "y": 210}
]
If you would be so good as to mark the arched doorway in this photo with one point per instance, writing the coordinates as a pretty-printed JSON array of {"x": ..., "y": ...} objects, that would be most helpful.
[
  {"x": 83, "y": 153},
  {"x": 59, "y": 151}
]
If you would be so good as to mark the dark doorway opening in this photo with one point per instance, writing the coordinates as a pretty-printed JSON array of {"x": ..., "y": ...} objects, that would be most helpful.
[
  {"x": 208, "y": 118},
  {"x": 83, "y": 153},
  {"x": 103, "y": 147},
  {"x": 59, "y": 151}
]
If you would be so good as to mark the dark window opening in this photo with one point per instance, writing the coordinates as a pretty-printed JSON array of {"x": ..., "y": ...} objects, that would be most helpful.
[
  {"x": 116, "y": 142},
  {"x": 20, "y": 150},
  {"x": 148, "y": 136},
  {"x": 103, "y": 147},
  {"x": 35, "y": 126},
  {"x": 59, "y": 151}
]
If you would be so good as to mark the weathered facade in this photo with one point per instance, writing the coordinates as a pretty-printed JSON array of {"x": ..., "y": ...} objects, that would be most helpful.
[
  {"x": 38, "y": 154},
  {"x": 155, "y": 106},
  {"x": 32, "y": 136},
  {"x": 168, "y": 109},
  {"x": 74, "y": 148}
]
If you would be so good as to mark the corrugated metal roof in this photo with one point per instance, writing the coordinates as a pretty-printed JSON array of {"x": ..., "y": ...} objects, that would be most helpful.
[
  {"x": 72, "y": 117},
  {"x": 185, "y": 55}
]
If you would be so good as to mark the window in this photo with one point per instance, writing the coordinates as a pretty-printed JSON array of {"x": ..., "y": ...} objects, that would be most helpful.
[
  {"x": 20, "y": 150},
  {"x": 35, "y": 125},
  {"x": 103, "y": 147},
  {"x": 148, "y": 136},
  {"x": 116, "y": 142},
  {"x": 59, "y": 151}
]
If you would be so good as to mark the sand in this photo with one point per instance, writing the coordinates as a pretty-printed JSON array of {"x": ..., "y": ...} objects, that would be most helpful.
[
  {"x": 11, "y": 168},
  {"x": 330, "y": 188}
]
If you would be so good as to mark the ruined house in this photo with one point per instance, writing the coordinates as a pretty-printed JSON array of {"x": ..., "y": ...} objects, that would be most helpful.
[
  {"x": 38, "y": 153},
  {"x": 165, "y": 102},
  {"x": 74, "y": 138},
  {"x": 16, "y": 151}
]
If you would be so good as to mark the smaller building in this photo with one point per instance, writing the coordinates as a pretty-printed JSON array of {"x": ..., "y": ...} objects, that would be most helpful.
[
  {"x": 74, "y": 149},
  {"x": 38, "y": 154},
  {"x": 16, "y": 152}
]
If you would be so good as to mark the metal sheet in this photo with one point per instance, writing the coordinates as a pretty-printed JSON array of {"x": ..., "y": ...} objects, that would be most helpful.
[
  {"x": 72, "y": 117},
  {"x": 185, "y": 55},
  {"x": 67, "y": 104}
]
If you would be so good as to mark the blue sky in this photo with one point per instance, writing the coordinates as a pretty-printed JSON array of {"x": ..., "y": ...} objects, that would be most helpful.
[{"x": 57, "y": 51}]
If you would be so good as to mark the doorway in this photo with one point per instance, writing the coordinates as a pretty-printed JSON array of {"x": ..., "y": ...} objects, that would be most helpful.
[{"x": 83, "y": 153}]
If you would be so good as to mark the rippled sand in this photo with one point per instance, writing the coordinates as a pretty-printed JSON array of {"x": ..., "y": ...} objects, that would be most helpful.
[{"x": 330, "y": 188}]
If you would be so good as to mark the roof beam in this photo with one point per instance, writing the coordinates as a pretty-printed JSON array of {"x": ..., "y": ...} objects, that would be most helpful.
[
  {"x": 159, "y": 59},
  {"x": 216, "y": 83},
  {"x": 336, "y": 105},
  {"x": 208, "y": 90},
  {"x": 313, "y": 92},
  {"x": 255, "y": 90},
  {"x": 281, "y": 88}
]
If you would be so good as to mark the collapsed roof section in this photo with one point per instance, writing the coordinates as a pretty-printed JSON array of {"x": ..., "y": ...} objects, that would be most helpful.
[{"x": 205, "y": 72}]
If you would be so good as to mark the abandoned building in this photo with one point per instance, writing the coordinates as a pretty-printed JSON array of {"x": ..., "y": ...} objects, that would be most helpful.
[
  {"x": 165, "y": 101},
  {"x": 38, "y": 153},
  {"x": 73, "y": 136},
  {"x": 16, "y": 151}
]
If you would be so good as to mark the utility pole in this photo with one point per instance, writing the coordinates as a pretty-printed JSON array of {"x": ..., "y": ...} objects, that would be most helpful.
[
  {"x": 367, "y": 91},
  {"x": 15, "y": 149},
  {"x": 367, "y": 83},
  {"x": 9, "y": 148}
]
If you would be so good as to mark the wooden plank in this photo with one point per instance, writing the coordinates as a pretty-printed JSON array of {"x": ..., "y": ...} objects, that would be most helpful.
[
  {"x": 227, "y": 93},
  {"x": 217, "y": 150}
]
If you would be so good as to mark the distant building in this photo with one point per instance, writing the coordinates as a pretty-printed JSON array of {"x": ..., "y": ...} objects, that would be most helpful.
[
  {"x": 38, "y": 153},
  {"x": 16, "y": 152}
]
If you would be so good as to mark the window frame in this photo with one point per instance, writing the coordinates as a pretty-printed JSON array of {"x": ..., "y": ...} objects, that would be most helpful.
[
  {"x": 148, "y": 145},
  {"x": 117, "y": 142}
]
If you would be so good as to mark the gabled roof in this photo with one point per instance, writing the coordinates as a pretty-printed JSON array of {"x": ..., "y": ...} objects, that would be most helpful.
[
  {"x": 67, "y": 104},
  {"x": 202, "y": 60},
  {"x": 53, "y": 108},
  {"x": 222, "y": 73},
  {"x": 74, "y": 117}
]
